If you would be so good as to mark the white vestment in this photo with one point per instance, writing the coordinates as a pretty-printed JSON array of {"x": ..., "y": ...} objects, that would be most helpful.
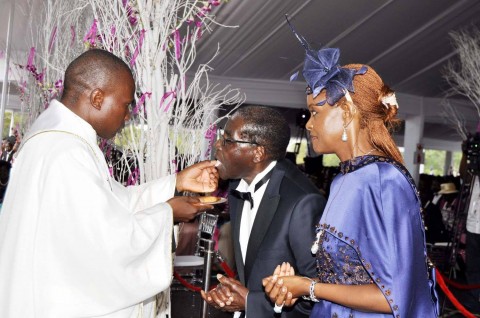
[{"x": 74, "y": 242}]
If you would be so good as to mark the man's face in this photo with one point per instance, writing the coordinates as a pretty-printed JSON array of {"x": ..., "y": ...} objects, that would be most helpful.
[
  {"x": 115, "y": 108},
  {"x": 236, "y": 158}
]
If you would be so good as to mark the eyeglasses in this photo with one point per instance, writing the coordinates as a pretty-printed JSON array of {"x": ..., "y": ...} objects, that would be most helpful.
[{"x": 231, "y": 141}]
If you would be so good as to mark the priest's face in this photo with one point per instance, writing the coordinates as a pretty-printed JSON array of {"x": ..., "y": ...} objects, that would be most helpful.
[
  {"x": 115, "y": 106},
  {"x": 234, "y": 152}
]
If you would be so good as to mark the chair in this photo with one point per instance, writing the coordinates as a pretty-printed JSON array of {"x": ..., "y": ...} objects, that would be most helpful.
[{"x": 204, "y": 252}]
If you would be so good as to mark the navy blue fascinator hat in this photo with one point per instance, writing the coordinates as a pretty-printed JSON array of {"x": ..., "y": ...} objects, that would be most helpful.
[{"x": 322, "y": 71}]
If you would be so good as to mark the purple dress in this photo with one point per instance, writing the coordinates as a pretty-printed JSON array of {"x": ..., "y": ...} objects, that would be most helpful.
[{"x": 372, "y": 232}]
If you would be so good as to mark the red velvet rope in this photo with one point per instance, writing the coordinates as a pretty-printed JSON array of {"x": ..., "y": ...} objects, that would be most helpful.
[
  {"x": 448, "y": 293},
  {"x": 197, "y": 289},
  {"x": 227, "y": 269},
  {"x": 440, "y": 279},
  {"x": 456, "y": 285},
  {"x": 185, "y": 283}
]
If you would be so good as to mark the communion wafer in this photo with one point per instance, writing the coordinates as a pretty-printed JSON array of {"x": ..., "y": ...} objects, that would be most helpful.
[{"x": 209, "y": 199}]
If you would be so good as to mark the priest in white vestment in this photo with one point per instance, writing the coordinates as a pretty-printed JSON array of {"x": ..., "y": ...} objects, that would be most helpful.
[{"x": 73, "y": 241}]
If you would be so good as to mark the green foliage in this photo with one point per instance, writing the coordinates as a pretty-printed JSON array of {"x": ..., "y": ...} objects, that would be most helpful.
[
  {"x": 435, "y": 162},
  {"x": 331, "y": 160},
  {"x": 328, "y": 160},
  {"x": 7, "y": 122},
  {"x": 123, "y": 139},
  {"x": 456, "y": 158},
  {"x": 303, "y": 150},
  {"x": 434, "y": 159}
]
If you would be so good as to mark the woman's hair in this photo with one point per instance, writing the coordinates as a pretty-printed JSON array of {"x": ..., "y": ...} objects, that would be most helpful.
[{"x": 378, "y": 119}]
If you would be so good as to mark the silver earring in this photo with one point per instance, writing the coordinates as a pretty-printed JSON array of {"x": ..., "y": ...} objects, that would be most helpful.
[{"x": 344, "y": 134}]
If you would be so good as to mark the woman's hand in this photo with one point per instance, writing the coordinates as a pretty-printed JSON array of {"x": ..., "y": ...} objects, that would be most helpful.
[
  {"x": 200, "y": 177},
  {"x": 287, "y": 289},
  {"x": 275, "y": 288},
  {"x": 367, "y": 298}
]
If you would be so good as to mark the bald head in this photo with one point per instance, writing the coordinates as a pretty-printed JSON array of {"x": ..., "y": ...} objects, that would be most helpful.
[
  {"x": 99, "y": 88},
  {"x": 92, "y": 69}
]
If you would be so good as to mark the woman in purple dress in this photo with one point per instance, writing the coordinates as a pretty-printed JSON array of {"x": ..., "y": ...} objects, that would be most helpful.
[{"x": 370, "y": 246}]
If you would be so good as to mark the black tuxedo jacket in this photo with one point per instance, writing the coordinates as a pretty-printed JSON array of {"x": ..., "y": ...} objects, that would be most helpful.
[
  {"x": 7, "y": 156},
  {"x": 283, "y": 231}
]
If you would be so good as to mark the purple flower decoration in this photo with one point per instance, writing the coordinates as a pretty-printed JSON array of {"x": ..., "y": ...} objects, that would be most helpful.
[
  {"x": 320, "y": 67},
  {"x": 322, "y": 71}
]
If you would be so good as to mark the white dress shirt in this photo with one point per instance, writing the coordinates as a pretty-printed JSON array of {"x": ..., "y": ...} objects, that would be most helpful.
[
  {"x": 248, "y": 213},
  {"x": 473, "y": 218}
]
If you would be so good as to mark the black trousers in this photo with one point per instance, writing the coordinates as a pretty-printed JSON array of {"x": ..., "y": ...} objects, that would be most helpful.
[{"x": 473, "y": 261}]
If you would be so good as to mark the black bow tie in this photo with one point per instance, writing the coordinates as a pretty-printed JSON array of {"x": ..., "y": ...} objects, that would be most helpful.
[{"x": 247, "y": 196}]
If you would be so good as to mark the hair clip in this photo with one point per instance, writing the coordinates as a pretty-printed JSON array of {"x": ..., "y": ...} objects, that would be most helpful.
[
  {"x": 308, "y": 90},
  {"x": 390, "y": 100},
  {"x": 348, "y": 97}
]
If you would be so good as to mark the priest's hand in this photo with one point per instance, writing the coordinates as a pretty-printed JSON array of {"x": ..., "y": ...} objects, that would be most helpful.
[
  {"x": 186, "y": 209},
  {"x": 200, "y": 177},
  {"x": 230, "y": 295}
]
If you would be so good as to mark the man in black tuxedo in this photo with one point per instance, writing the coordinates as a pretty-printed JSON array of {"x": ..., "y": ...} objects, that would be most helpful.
[
  {"x": 273, "y": 209},
  {"x": 8, "y": 149}
]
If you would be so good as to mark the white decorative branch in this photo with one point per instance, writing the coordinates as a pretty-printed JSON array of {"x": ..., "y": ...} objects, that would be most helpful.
[
  {"x": 464, "y": 77},
  {"x": 455, "y": 118}
]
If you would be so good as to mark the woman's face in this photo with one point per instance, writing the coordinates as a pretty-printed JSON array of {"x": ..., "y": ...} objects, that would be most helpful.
[{"x": 325, "y": 125}]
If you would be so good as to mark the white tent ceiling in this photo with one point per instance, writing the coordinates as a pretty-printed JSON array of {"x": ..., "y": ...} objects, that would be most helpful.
[{"x": 406, "y": 41}]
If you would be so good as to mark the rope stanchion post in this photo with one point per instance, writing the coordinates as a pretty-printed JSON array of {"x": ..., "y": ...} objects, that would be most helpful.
[
  {"x": 451, "y": 297},
  {"x": 207, "y": 270},
  {"x": 228, "y": 272}
]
